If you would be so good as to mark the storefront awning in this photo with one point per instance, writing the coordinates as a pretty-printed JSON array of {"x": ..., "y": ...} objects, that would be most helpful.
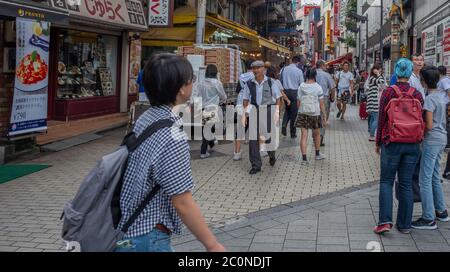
[
  {"x": 224, "y": 23},
  {"x": 175, "y": 36},
  {"x": 274, "y": 46},
  {"x": 30, "y": 10},
  {"x": 348, "y": 57}
]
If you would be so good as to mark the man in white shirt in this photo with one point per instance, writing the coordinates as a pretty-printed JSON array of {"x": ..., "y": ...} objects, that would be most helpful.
[
  {"x": 345, "y": 84},
  {"x": 414, "y": 80},
  {"x": 444, "y": 83},
  {"x": 291, "y": 77},
  {"x": 261, "y": 92}
]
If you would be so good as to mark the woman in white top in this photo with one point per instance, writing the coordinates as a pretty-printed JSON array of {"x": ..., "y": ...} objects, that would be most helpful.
[
  {"x": 310, "y": 107},
  {"x": 212, "y": 94}
]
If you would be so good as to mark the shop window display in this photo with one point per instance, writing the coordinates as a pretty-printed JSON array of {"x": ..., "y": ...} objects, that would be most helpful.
[{"x": 86, "y": 65}]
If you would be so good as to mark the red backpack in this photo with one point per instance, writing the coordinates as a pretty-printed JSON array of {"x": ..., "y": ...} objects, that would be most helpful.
[{"x": 405, "y": 119}]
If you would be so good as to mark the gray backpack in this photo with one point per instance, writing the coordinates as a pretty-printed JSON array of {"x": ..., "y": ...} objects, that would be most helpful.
[{"x": 91, "y": 219}]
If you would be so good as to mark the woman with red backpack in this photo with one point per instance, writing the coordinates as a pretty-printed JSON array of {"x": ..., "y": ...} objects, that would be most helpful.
[{"x": 398, "y": 139}]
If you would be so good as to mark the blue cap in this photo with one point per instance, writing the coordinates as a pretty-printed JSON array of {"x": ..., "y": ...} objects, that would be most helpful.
[{"x": 404, "y": 68}]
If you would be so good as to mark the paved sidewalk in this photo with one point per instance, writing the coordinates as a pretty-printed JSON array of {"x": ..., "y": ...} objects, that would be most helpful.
[{"x": 338, "y": 222}]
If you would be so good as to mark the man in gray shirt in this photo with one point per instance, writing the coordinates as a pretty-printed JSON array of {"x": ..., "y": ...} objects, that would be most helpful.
[
  {"x": 291, "y": 78},
  {"x": 328, "y": 85}
]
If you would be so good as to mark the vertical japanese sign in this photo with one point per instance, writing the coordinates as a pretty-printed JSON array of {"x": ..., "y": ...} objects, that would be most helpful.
[
  {"x": 337, "y": 8},
  {"x": 160, "y": 13},
  {"x": 135, "y": 65},
  {"x": 29, "y": 110},
  {"x": 328, "y": 28}
]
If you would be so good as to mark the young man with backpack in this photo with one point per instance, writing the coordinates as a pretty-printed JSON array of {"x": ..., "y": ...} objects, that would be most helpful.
[
  {"x": 261, "y": 93},
  {"x": 398, "y": 139},
  {"x": 432, "y": 195},
  {"x": 146, "y": 193}
]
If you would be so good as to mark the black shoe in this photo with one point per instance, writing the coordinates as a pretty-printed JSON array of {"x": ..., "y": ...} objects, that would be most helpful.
[
  {"x": 422, "y": 224},
  {"x": 443, "y": 217},
  {"x": 404, "y": 231},
  {"x": 293, "y": 136},
  {"x": 446, "y": 175},
  {"x": 283, "y": 131},
  {"x": 211, "y": 144},
  {"x": 338, "y": 115},
  {"x": 254, "y": 171},
  {"x": 272, "y": 161}
]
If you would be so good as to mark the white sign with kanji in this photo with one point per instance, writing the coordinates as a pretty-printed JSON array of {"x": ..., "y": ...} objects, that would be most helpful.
[{"x": 160, "y": 13}]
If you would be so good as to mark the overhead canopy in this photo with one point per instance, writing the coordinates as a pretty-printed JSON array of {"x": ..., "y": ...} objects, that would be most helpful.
[
  {"x": 30, "y": 10},
  {"x": 340, "y": 60}
]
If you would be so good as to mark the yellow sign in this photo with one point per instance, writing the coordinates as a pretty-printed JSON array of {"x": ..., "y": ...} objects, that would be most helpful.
[
  {"x": 328, "y": 27},
  {"x": 31, "y": 14}
]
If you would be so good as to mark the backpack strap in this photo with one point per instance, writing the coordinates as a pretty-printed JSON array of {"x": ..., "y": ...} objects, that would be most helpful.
[
  {"x": 397, "y": 90},
  {"x": 132, "y": 144},
  {"x": 252, "y": 87},
  {"x": 411, "y": 91}
]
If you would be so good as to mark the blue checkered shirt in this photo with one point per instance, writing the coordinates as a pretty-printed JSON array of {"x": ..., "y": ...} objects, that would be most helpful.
[{"x": 162, "y": 159}]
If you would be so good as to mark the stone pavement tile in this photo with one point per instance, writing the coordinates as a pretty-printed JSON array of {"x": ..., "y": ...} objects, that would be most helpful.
[
  {"x": 8, "y": 248},
  {"x": 364, "y": 237},
  {"x": 400, "y": 249},
  {"x": 44, "y": 240},
  {"x": 262, "y": 247},
  {"x": 357, "y": 211},
  {"x": 304, "y": 222},
  {"x": 328, "y": 207},
  {"x": 18, "y": 234},
  {"x": 289, "y": 211},
  {"x": 242, "y": 231},
  {"x": 323, "y": 240},
  {"x": 361, "y": 244},
  {"x": 287, "y": 218},
  {"x": 268, "y": 238},
  {"x": 280, "y": 231},
  {"x": 333, "y": 248},
  {"x": 360, "y": 230},
  {"x": 396, "y": 241},
  {"x": 183, "y": 239},
  {"x": 438, "y": 247},
  {"x": 25, "y": 244},
  {"x": 298, "y": 250},
  {"x": 244, "y": 222},
  {"x": 6, "y": 243},
  {"x": 308, "y": 236},
  {"x": 55, "y": 246},
  {"x": 428, "y": 237},
  {"x": 266, "y": 224},
  {"x": 333, "y": 232},
  {"x": 19, "y": 239},
  {"x": 239, "y": 242},
  {"x": 299, "y": 228},
  {"x": 248, "y": 236},
  {"x": 27, "y": 249},
  {"x": 300, "y": 244},
  {"x": 188, "y": 246},
  {"x": 237, "y": 249}
]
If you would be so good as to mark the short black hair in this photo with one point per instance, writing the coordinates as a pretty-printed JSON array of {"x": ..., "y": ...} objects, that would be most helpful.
[
  {"x": 296, "y": 59},
  {"x": 311, "y": 74},
  {"x": 442, "y": 70},
  {"x": 416, "y": 55},
  {"x": 430, "y": 75},
  {"x": 164, "y": 75},
  {"x": 211, "y": 71},
  {"x": 248, "y": 64}
]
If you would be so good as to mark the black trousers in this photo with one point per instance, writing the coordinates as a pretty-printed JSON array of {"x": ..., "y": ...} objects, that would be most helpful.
[
  {"x": 290, "y": 113},
  {"x": 447, "y": 166},
  {"x": 254, "y": 145}
]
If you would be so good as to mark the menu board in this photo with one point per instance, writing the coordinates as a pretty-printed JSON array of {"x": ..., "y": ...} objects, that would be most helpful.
[
  {"x": 29, "y": 109},
  {"x": 135, "y": 66}
]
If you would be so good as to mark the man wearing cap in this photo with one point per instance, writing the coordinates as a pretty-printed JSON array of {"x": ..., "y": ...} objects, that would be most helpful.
[
  {"x": 261, "y": 93},
  {"x": 291, "y": 77}
]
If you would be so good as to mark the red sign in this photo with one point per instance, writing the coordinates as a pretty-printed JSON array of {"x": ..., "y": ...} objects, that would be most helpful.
[
  {"x": 447, "y": 40},
  {"x": 337, "y": 8},
  {"x": 308, "y": 9}
]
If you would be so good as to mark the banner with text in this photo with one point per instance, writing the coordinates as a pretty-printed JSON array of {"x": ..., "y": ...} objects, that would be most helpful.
[{"x": 29, "y": 109}]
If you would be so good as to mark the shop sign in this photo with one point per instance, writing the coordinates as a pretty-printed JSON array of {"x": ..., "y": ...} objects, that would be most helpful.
[
  {"x": 328, "y": 28},
  {"x": 160, "y": 13},
  {"x": 129, "y": 13},
  {"x": 29, "y": 108},
  {"x": 135, "y": 65},
  {"x": 36, "y": 12},
  {"x": 337, "y": 28},
  {"x": 447, "y": 38}
]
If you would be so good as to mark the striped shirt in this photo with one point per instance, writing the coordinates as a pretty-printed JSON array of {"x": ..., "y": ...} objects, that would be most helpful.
[
  {"x": 162, "y": 159},
  {"x": 374, "y": 86}
]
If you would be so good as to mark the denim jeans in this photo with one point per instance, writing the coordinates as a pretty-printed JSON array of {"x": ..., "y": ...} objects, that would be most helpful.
[
  {"x": 431, "y": 191},
  {"x": 155, "y": 241},
  {"x": 401, "y": 159},
  {"x": 373, "y": 123}
]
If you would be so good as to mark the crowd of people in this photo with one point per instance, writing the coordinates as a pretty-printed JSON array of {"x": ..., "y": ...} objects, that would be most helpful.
[{"x": 408, "y": 121}]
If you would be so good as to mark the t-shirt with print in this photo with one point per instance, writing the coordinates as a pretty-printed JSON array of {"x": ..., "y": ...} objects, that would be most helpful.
[
  {"x": 344, "y": 80},
  {"x": 436, "y": 102},
  {"x": 310, "y": 89}
]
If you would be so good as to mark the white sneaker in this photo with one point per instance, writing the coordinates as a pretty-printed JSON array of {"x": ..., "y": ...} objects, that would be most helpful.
[
  {"x": 216, "y": 142},
  {"x": 237, "y": 156},
  {"x": 304, "y": 163},
  {"x": 320, "y": 157},
  {"x": 204, "y": 156}
]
